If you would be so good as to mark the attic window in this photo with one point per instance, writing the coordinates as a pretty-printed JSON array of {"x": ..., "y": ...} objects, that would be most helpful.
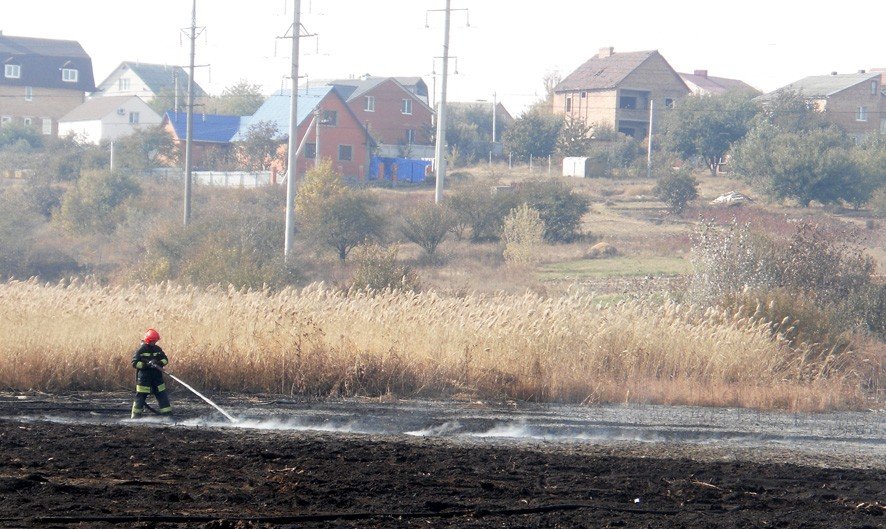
[
  {"x": 134, "y": 118},
  {"x": 69, "y": 75},
  {"x": 407, "y": 106},
  {"x": 669, "y": 103},
  {"x": 329, "y": 118},
  {"x": 123, "y": 84},
  {"x": 12, "y": 71},
  {"x": 873, "y": 88},
  {"x": 370, "y": 104},
  {"x": 584, "y": 94}
]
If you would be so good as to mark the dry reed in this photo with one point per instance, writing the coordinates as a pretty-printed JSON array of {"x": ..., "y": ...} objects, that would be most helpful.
[{"x": 322, "y": 342}]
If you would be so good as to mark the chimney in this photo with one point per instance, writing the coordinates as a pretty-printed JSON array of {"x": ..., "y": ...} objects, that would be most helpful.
[
  {"x": 605, "y": 52},
  {"x": 861, "y": 71},
  {"x": 701, "y": 73},
  {"x": 833, "y": 73}
]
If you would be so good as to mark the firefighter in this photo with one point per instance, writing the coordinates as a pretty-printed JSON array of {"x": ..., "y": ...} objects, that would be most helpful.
[{"x": 150, "y": 360}]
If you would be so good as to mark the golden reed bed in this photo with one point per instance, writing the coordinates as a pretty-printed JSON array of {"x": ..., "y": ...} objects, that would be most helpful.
[{"x": 323, "y": 342}]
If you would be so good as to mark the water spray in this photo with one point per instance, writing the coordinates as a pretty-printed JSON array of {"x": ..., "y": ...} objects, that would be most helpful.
[{"x": 195, "y": 392}]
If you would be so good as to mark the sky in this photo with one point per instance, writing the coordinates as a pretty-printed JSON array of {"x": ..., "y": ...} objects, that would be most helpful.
[{"x": 501, "y": 48}]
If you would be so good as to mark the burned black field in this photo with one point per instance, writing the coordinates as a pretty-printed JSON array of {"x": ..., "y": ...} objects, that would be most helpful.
[{"x": 63, "y": 468}]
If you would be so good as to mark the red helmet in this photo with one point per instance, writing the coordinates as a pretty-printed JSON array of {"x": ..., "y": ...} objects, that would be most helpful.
[{"x": 151, "y": 336}]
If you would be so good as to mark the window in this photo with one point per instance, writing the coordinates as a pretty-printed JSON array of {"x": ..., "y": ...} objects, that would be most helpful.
[
  {"x": 410, "y": 136},
  {"x": 133, "y": 118},
  {"x": 310, "y": 150},
  {"x": 123, "y": 84},
  {"x": 28, "y": 121},
  {"x": 47, "y": 126},
  {"x": 407, "y": 106},
  {"x": 568, "y": 104},
  {"x": 584, "y": 94},
  {"x": 862, "y": 114},
  {"x": 669, "y": 103},
  {"x": 12, "y": 71},
  {"x": 29, "y": 93},
  {"x": 330, "y": 118},
  {"x": 370, "y": 104},
  {"x": 627, "y": 102},
  {"x": 874, "y": 88},
  {"x": 5, "y": 119},
  {"x": 345, "y": 152},
  {"x": 69, "y": 75}
]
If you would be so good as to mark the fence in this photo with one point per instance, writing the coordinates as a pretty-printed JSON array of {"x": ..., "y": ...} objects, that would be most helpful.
[{"x": 246, "y": 179}]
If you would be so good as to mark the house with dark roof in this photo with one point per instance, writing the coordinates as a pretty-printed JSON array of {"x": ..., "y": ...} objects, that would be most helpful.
[
  {"x": 108, "y": 118},
  {"x": 149, "y": 81},
  {"x": 211, "y": 137},
  {"x": 855, "y": 102},
  {"x": 700, "y": 83},
  {"x": 618, "y": 89},
  {"x": 398, "y": 116},
  {"x": 325, "y": 124},
  {"x": 42, "y": 80}
]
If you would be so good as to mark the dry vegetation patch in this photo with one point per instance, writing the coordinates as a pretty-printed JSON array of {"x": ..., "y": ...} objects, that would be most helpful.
[{"x": 324, "y": 342}]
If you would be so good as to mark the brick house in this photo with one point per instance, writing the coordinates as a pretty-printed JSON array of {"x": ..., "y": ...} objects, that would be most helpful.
[
  {"x": 42, "y": 80},
  {"x": 398, "y": 117},
  {"x": 616, "y": 89},
  {"x": 343, "y": 139},
  {"x": 854, "y": 102},
  {"x": 211, "y": 137},
  {"x": 700, "y": 83},
  {"x": 149, "y": 81}
]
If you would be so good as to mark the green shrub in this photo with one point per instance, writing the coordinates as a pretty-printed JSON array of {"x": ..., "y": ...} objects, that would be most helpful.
[
  {"x": 560, "y": 208},
  {"x": 676, "y": 189},
  {"x": 478, "y": 207}
]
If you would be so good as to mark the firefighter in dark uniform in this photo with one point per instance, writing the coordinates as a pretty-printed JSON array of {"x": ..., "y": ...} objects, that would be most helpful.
[{"x": 150, "y": 360}]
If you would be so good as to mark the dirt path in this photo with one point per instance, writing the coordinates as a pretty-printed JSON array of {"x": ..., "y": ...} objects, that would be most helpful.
[{"x": 106, "y": 474}]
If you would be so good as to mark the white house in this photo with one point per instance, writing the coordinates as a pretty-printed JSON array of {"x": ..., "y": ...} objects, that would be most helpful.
[
  {"x": 108, "y": 118},
  {"x": 148, "y": 81}
]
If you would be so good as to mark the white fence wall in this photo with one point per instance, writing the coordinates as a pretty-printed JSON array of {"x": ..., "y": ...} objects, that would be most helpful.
[{"x": 232, "y": 178}]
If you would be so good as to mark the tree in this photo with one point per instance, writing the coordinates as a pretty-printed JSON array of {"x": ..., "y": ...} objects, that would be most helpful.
[
  {"x": 240, "y": 99},
  {"x": 427, "y": 226},
  {"x": 259, "y": 146},
  {"x": 475, "y": 205},
  {"x": 145, "y": 149},
  {"x": 676, "y": 189},
  {"x": 336, "y": 216},
  {"x": 534, "y": 133},
  {"x": 805, "y": 166},
  {"x": 575, "y": 137},
  {"x": 708, "y": 125},
  {"x": 94, "y": 204},
  {"x": 550, "y": 80}
]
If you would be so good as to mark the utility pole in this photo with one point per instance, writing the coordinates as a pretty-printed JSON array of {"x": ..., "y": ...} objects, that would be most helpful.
[
  {"x": 649, "y": 143},
  {"x": 318, "y": 122},
  {"x": 293, "y": 130},
  {"x": 440, "y": 149},
  {"x": 190, "y": 116},
  {"x": 494, "y": 104}
]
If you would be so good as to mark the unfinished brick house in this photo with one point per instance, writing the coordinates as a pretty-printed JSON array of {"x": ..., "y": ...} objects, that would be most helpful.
[
  {"x": 855, "y": 102},
  {"x": 616, "y": 89}
]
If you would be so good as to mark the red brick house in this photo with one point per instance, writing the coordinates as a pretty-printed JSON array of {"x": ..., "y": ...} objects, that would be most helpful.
[
  {"x": 343, "y": 139},
  {"x": 398, "y": 117}
]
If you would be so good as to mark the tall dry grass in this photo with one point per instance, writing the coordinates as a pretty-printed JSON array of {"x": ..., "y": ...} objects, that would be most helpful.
[{"x": 319, "y": 341}]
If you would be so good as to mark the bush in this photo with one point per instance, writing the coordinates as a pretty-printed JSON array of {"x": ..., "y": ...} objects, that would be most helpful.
[
  {"x": 523, "y": 234},
  {"x": 828, "y": 269},
  {"x": 477, "y": 207},
  {"x": 94, "y": 204},
  {"x": 377, "y": 270},
  {"x": 676, "y": 189},
  {"x": 560, "y": 208},
  {"x": 427, "y": 226}
]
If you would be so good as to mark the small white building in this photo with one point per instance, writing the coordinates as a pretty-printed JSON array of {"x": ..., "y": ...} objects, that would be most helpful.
[
  {"x": 108, "y": 118},
  {"x": 576, "y": 166}
]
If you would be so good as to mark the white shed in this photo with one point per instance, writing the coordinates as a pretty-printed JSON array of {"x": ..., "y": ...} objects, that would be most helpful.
[
  {"x": 108, "y": 118},
  {"x": 576, "y": 166}
]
